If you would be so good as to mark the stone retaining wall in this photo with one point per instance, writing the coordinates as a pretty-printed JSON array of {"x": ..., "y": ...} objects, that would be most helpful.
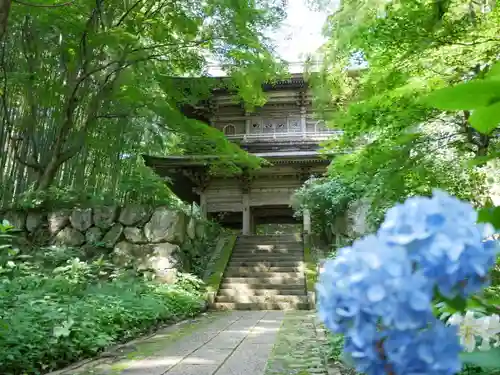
[{"x": 150, "y": 238}]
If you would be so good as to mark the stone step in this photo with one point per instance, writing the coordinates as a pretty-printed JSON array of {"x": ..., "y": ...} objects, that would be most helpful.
[
  {"x": 265, "y": 280},
  {"x": 264, "y": 263},
  {"x": 297, "y": 291},
  {"x": 259, "y": 241},
  {"x": 262, "y": 299},
  {"x": 258, "y": 268},
  {"x": 283, "y": 235},
  {"x": 266, "y": 257},
  {"x": 270, "y": 243},
  {"x": 254, "y": 250},
  {"x": 269, "y": 247},
  {"x": 244, "y": 287},
  {"x": 259, "y": 274},
  {"x": 260, "y": 306}
]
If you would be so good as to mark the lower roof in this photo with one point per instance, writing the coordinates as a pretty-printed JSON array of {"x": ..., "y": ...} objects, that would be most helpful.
[
  {"x": 178, "y": 168},
  {"x": 176, "y": 161}
]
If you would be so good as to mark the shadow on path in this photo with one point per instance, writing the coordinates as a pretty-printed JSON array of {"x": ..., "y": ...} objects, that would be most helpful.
[{"x": 234, "y": 343}]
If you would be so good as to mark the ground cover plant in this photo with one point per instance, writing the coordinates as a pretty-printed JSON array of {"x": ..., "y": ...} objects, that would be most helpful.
[{"x": 56, "y": 309}]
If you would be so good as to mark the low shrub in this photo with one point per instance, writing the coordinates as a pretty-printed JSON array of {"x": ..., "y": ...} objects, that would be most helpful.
[{"x": 62, "y": 309}]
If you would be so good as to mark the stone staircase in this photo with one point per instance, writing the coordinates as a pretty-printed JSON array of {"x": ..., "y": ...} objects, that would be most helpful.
[{"x": 264, "y": 273}]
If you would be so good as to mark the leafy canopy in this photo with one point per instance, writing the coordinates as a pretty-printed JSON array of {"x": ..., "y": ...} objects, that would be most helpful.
[{"x": 84, "y": 85}]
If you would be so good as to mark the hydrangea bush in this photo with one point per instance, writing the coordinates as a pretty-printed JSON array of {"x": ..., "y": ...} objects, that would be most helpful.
[{"x": 381, "y": 292}]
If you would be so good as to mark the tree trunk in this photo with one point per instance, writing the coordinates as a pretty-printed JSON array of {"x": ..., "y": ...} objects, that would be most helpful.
[
  {"x": 48, "y": 174},
  {"x": 4, "y": 16},
  {"x": 483, "y": 145}
]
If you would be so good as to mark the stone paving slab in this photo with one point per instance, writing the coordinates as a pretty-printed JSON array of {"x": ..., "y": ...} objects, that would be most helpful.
[
  {"x": 300, "y": 347},
  {"x": 231, "y": 351},
  {"x": 233, "y": 343}
]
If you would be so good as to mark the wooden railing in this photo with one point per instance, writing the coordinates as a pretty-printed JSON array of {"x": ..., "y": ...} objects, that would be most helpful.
[{"x": 313, "y": 136}]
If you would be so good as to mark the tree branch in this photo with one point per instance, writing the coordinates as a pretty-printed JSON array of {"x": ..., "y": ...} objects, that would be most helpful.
[
  {"x": 15, "y": 146},
  {"x": 129, "y": 10},
  {"x": 73, "y": 150},
  {"x": 113, "y": 116},
  {"x": 37, "y": 5}
]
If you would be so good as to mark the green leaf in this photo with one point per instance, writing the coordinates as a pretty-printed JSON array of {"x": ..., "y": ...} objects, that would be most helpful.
[
  {"x": 484, "y": 120},
  {"x": 494, "y": 72},
  {"x": 480, "y": 160},
  {"x": 489, "y": 215},
  {"x": 347, "y": 360},
  {"x": 452, "y": 305},
  {"x": 61, "y": 331},
  {"x": 469, "y": 95},
  {"x": 484, "y": 359}
]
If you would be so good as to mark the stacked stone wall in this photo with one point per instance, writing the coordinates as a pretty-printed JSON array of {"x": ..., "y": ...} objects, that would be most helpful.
[{"x": 160, "y": 239}]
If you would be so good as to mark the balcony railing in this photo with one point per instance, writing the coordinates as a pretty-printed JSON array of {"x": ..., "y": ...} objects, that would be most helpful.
[{"x": 307, "y": 136}]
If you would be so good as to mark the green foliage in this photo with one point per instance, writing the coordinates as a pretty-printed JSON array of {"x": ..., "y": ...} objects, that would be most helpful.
[
  {"x": 482, "y": 96},
  {"x": 214, "y": 280},
  {"x": 335, "y": 345},
  {"x": 490, "y": 215},
  {"x": 88, "y": 88},
  {"x": 55, "y": 197},
  {"x": 394, "y": 144},
  {"x": 197, "y": 252},
  {"x": 336, "y": 354},
  {"x": 325, "y": 198},
  {"x": 143, "y": 186},
  {"x": 57, "y": 309},
  {"x": 140, "y": 186},
  {"x": 190, "y": 283},
  {"x": 485, "y": 359},
  {"x": 476, "y": 370},
  {"x": 5, "y": 236},
  {"x": 469, "y": 95}
]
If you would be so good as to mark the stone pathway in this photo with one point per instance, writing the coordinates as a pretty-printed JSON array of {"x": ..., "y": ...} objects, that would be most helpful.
[
  {"x": 300, "y": 347},
  {"x": 234, "y": 343},
  {"x": 224, "y": 343}
]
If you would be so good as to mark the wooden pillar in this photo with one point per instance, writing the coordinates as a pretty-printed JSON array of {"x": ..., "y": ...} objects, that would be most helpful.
[
  {"x": 307, "y": 221},
  {"x": 245, "y": 181},
  {"x": 246, "y": 215},
  {"x": 253, "y": 224},
  {"x": 200, "y": 179},
  {"x": 203, "y": 204},
  {"x": 247, "y": 123},
  {"x": 303, "y": 122}
]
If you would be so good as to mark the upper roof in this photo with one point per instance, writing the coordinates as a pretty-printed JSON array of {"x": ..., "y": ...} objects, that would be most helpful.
[
  {"x": 173, "y": 161},
  {"x": 222, "y": 84}
]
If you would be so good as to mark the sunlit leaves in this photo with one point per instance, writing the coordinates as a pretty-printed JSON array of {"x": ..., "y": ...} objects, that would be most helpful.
[
  {"x": 406, "y": 146},
  {"x": 486, "y": 119},
  {"x": 481, "y": 96},
  {"x": 494, "y": 71},
  {"x": 99, "y": 74},
  {"x": 468, "y": 95}
]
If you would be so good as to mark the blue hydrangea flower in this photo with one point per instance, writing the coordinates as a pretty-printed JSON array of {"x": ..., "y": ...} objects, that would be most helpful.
[
  {"x": 442, "y": 238},
  {"x": 433, "y": 351},
  {"x": 430, "y": 351},
  {"x": 378, "y": 292},
  {"x": 366, "y": 358},
  {"x": 369, "y": 282}
]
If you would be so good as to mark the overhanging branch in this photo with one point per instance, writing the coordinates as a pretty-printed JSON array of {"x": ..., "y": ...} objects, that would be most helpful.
[{"x": 38, "y": 5}]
